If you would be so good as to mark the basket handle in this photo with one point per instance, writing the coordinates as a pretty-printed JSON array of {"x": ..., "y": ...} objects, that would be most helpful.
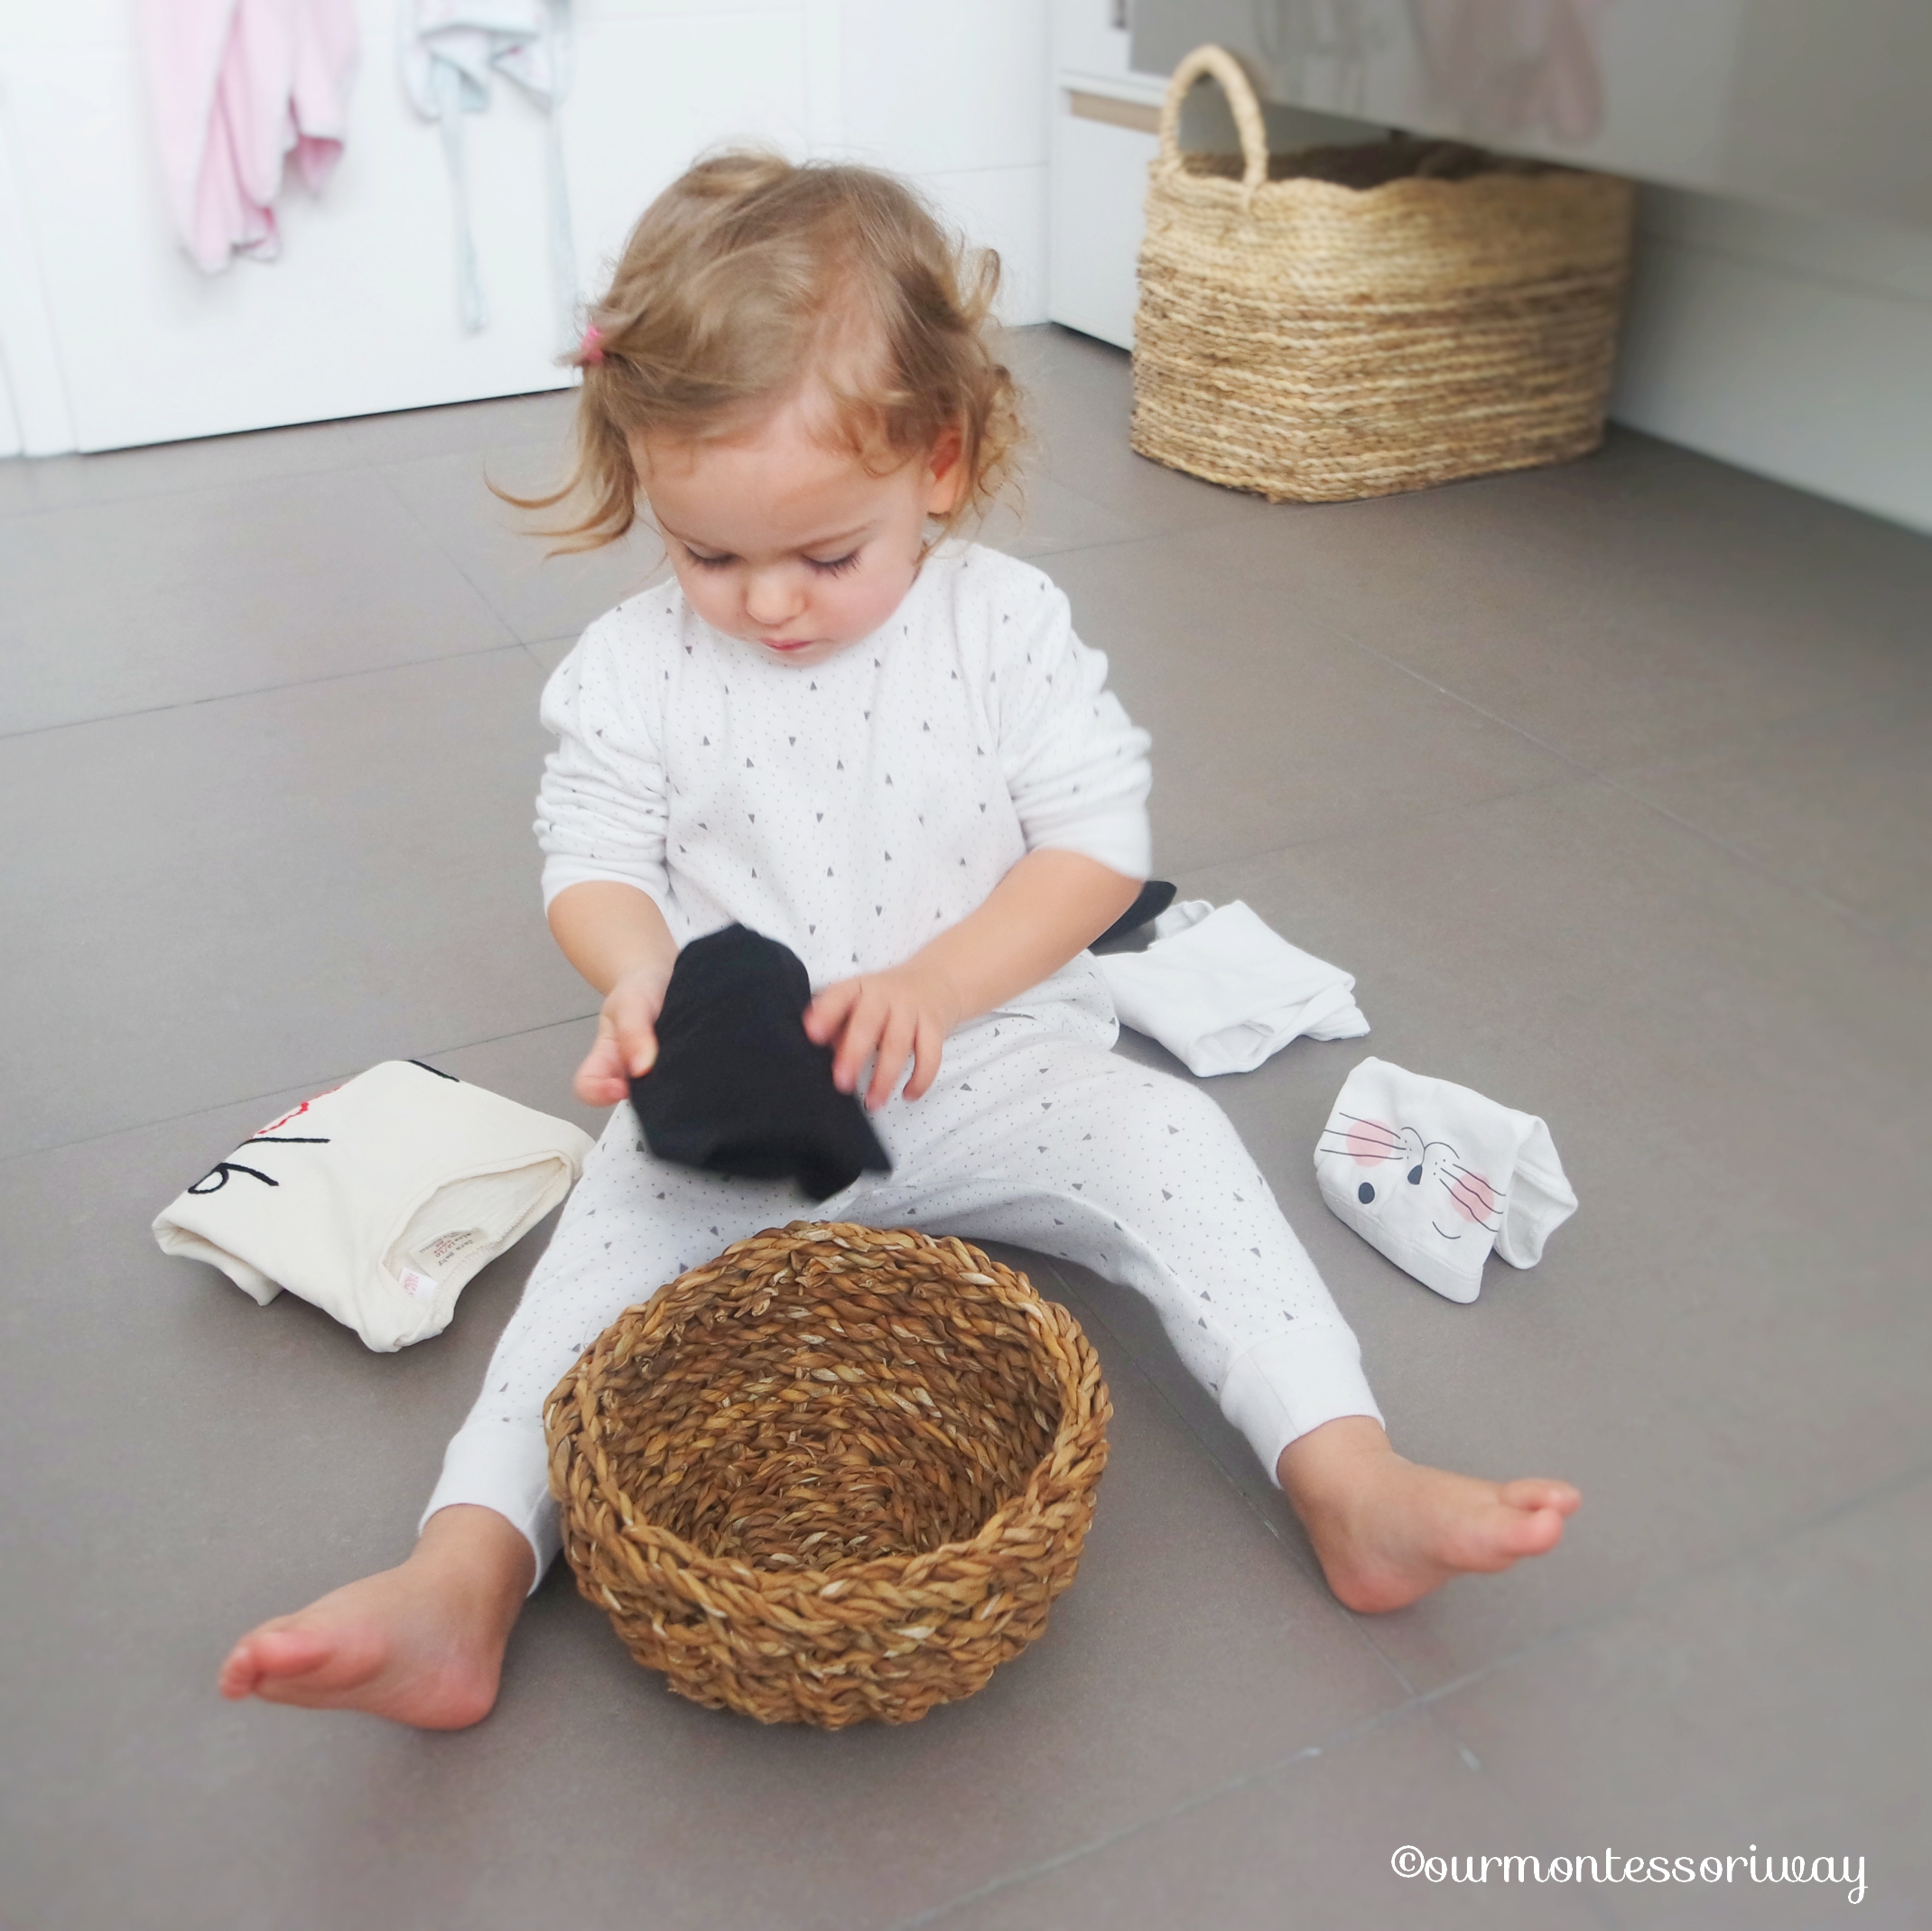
[{"x": 1240, "y": 93}]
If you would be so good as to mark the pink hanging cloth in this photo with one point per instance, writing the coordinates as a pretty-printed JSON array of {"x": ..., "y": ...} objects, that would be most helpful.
[{"x": 236, "y": 86}]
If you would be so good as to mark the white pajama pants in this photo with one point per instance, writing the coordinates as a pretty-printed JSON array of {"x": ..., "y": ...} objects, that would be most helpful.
[{"x": 1034, "y": 1133}]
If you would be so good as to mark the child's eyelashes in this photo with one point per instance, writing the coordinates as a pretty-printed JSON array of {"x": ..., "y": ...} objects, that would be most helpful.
[{"x": 831, "y": 566}]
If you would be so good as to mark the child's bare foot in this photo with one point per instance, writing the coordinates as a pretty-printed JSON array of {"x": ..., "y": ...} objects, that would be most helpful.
[
  {"x": 420, "y": 1644},
  {"x": 1387, "y": 1531}
]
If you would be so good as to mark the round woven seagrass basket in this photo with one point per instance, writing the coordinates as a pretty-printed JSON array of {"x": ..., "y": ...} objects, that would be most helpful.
[
  {"x": 834, "y": 1474},
  {"x": 1351, "y": 322}
]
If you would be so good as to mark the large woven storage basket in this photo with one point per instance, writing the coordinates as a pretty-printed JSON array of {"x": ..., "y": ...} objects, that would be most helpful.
[
  {"x": 834, "y": 1474},
  {"x": 1312, "y": 340}
]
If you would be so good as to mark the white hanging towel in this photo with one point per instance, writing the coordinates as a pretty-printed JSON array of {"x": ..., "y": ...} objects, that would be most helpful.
[
  {"x": 378, "y": 1200},
  {"x": 451, "y": 48},
  {"x": 1433, "y": 1175},
  {"x": 1222, "y": 991},
  {"x": 236, "y": 86}
]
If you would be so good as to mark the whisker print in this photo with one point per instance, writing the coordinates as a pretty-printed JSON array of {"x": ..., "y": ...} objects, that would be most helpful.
[
  {"x": 1478, "y": 1210},
  {"x": 1364, "y": 1141},
  {"x": 1474, "y": 1187},
  {"x": 1378, "y": 1153}
]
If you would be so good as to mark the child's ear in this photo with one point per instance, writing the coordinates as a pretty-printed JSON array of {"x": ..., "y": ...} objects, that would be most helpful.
[{"x": 948, "y": 474}]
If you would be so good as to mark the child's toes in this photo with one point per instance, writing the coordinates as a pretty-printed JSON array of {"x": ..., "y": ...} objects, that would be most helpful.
[
  {"x": 295, "y": 1652},
  {"x": 1536, "y": 1492},
  {"x": 1532, "y": 1531},
  {"x": 269, "y": 1654},
  {"x": 239, "y": 1674}
]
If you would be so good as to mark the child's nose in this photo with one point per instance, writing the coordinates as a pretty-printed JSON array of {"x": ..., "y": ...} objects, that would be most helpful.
[{"x": 770, "y": 599}]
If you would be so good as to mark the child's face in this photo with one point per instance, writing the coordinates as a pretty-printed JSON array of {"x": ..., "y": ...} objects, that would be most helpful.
[{"x": 786, "y": 543}]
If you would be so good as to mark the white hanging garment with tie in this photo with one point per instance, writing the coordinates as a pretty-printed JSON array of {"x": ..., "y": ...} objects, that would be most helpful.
[{"x": 451, "y": 48}]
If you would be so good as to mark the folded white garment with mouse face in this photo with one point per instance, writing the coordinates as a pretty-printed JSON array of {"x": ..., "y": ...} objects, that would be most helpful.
[
  {"x": 1433, "y": 1175},
  {"x": 1222, "y": 991},
  {"x": 378, "y": 1200}
]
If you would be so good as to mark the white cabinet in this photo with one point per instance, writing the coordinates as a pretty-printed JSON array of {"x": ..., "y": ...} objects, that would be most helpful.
[{"x": 1102, "y": 138}]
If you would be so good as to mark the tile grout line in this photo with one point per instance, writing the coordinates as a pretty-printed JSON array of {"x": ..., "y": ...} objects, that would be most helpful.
[
  {"x": 1651, "y": 1596},
  {"x": 176, "y": 491},
  {"x": 1645, "y": 1599},
  {"x": 455, "y": 562},
  {"x": 1642, "y": 1601},
  {"x": 270, "y": 1093},
  {"x": 348, "y": 425},
  {"x": 1355, "y": 643},
  {"x": 1505, "y": 1798},
  {"x": 1858, "y": 921},
  {"x": 1823, "y": 900},
  {"x": 1357, "y": 1625},
  {"x": 1360, "y": 825},
  {"x": 230, "y": 697},
  {"x": 1272, "y": 1767}
]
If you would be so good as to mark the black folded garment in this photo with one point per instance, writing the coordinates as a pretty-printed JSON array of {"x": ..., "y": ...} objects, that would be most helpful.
[
  {"x": 1155, "y": 895},
  {"x": 738, "y": 1088}
]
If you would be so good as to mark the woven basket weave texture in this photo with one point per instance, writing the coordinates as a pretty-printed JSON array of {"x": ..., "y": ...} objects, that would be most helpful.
[
  {"x": 834, "y": 1474},
  {"x": 1316, "y": 342}
]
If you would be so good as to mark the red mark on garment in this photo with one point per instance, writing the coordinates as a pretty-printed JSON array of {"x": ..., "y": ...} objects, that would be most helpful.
[{"x": 275, "y": 1126}]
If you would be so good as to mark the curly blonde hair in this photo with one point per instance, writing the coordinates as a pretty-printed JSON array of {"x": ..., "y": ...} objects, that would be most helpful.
[{"x": 749, "y": 278}]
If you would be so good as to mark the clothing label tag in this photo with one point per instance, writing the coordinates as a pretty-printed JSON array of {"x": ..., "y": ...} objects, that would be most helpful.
[
  {"x": 417, "y": 1286},
  {"x": 445, "y": 1248}
]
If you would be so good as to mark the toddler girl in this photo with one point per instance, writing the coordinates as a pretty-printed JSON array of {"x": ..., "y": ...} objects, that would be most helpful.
[{"x": 845, "y": 727}]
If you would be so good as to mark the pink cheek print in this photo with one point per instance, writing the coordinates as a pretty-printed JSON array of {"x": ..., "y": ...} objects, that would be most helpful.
[
  {"x": 1472, "y": 1196},
  {"x": 1369, "y": 1143}
]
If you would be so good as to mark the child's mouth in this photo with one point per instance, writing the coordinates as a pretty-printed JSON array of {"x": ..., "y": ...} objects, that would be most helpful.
[{"x": 787, "y": 644}]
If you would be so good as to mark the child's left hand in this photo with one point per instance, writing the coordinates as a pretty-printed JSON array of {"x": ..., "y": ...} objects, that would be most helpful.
[{"x": 888, "y": 1017}]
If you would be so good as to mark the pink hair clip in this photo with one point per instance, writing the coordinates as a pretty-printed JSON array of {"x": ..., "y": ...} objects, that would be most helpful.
[{"x": 592, "y": 348}]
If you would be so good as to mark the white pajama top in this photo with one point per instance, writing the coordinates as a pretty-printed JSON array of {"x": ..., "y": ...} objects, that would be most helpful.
[{"x": 855, "y": 808}]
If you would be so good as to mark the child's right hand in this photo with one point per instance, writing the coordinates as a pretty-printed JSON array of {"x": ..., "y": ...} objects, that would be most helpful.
[{"x": 626, "y": 1037}]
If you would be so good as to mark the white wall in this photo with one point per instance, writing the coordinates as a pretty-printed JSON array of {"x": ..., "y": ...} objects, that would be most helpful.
[
  {"x": 110, "y": 336},
  {"x": 954, "y": 92},
  {"x": 1800, "y": 346}
]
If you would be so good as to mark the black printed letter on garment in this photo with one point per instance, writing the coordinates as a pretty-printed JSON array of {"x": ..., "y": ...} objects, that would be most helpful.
[{"x": 738, "y": 1088}]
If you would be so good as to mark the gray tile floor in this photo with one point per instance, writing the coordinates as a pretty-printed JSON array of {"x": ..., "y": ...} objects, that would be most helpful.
[{"x": 1610, "y": 783}]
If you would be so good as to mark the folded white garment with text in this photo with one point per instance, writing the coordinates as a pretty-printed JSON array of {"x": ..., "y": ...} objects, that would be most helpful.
[
  {"x": 1222, "y": 991},
  {"x": 378, "y": 1200},
  {"x": 1433, "y": 1175}
]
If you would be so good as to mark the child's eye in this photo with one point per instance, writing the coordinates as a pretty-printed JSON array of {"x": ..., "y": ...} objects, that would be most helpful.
[
  {"x": 709, "y": 563},
  {"x": 834, "y": 566}
]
